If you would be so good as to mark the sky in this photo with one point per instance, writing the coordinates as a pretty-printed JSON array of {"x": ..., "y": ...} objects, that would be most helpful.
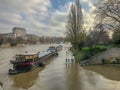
[{"x": 41, "y": 17}]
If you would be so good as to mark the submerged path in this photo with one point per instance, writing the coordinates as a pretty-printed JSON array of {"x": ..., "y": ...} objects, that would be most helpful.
[{"x": 59, "y": 75}]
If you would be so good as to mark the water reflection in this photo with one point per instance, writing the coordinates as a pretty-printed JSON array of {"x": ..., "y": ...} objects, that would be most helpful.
[
  {"x": 93, "y": 81},
  {"x": 26, "y": 80},
  {"x": 109, "y": 71},
  {"x": 72, "y": 76}
]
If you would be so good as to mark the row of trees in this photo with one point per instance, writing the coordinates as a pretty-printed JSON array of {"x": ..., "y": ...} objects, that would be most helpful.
[
  {"x": 107, "y": 18},
  {"x": 11, "y": 41},
  {"x": 30, "y": 40},
  {"x": 48, "y": 39}
]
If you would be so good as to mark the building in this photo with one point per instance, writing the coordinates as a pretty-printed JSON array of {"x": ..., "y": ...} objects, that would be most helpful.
[
  {"x": 16, "y": 32},
  {"x": 8, "y": 35},
  {"x": 19, "y": 32}
]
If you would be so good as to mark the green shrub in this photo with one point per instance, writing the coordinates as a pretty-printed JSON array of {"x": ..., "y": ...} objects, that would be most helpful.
[
  {"x": 89, "y": 52},
  {"x": 78, "y": 56},
  {"x": 85, "y": 49}
]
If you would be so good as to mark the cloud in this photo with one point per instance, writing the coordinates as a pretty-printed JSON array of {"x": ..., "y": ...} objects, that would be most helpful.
[
  {"x": 23, "y": 13},
  {"x": 88, "y": 13},
  {"x": 87, "y": 10},
  {"x": 38, "y": 16}
]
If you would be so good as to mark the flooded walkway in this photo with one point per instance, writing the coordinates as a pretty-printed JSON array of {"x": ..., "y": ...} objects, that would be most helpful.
[{"x": 59, "y": 75}]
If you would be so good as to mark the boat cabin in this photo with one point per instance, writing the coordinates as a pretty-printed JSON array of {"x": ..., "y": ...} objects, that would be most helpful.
[
  {"x": 26, "y": 57},
  {"x": 52, "y": 49}
]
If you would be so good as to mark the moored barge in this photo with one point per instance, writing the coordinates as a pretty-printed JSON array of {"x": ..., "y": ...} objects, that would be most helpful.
[
  {"x": 28, "y": 61},
  {"x": 59, "y": 47},
  {"x": 55, "y": 49}
]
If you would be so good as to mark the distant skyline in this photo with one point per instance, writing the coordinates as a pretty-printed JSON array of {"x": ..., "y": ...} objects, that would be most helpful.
[{"x": 40, "y": 17}]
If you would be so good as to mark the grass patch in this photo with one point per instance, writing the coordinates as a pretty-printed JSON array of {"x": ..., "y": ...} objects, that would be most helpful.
[{"x": 87, "y": 52}]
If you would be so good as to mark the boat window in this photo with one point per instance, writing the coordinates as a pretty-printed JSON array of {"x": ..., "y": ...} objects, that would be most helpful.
[
  {"x": 31, "y": 57},
  {"x": 27, "y": 57},
  {"x": 18, "y": 57}
]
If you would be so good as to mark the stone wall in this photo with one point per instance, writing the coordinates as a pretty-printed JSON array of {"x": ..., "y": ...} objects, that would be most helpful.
[{"x": 110, "y": 54}]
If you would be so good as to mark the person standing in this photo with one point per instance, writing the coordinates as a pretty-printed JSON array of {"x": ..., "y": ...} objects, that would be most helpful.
[{"x": 67, "y": 56}]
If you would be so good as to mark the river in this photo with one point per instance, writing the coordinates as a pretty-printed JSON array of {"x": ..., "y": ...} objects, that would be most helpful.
[{"x": 57, "y": 74}]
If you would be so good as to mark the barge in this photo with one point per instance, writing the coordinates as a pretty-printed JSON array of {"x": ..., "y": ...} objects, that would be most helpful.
[
  {"x": 59, "y": 48},
  {"x": 28, "y": 61},
  {"x": 55, "y": 49}
]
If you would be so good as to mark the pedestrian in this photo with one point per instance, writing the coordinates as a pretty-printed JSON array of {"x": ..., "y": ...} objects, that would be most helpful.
[{"x": 66, "y": 59}]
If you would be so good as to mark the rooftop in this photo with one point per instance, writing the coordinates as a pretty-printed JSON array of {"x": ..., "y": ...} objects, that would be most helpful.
[{"x": 26, "y": 54}]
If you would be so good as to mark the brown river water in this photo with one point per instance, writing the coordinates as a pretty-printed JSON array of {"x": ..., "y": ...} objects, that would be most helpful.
[{"x": 57, "y": 74}]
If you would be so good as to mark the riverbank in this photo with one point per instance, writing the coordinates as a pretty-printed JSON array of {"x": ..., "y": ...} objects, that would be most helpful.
[
  {"x": 109, "y": 56},
  {"x": 98, "y": 55},
  {"x": 21, "y": 45},
  {"x": 9, "y": 45}
]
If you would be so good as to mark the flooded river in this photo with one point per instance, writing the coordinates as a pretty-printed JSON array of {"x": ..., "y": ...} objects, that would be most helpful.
[{"x": 57, "y": 74}]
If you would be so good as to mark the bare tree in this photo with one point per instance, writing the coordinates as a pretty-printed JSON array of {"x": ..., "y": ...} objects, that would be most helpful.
[
  {"x": 99, "y": 35},
  {"x": 74, "y": 24},
  {"x": 116, "y": 35},
  {"x": 108, "y": 12}
]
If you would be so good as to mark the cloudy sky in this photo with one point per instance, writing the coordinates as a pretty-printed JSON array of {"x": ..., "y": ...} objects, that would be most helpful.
[{"x": 40, "y": 17}]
